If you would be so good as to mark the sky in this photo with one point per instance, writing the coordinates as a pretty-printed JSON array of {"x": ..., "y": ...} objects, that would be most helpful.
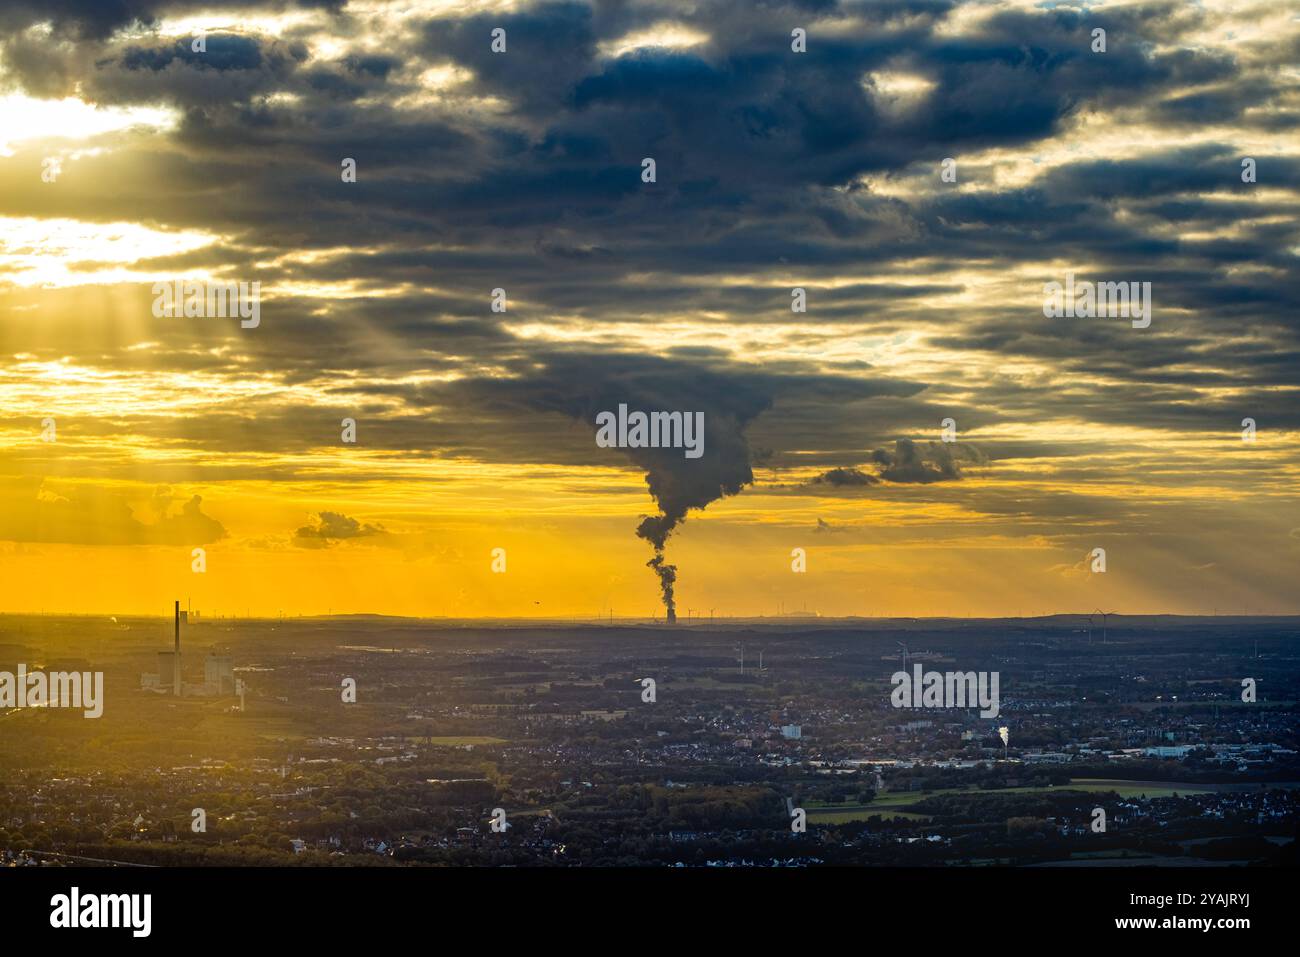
[{"x": 921, "y": 169}]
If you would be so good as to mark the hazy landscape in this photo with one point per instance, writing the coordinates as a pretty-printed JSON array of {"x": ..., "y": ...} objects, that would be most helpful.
[{"x": 550, "y": 723}]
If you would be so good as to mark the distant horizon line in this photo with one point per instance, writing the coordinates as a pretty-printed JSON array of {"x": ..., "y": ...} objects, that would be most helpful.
[{"x": 679, "y": 623}]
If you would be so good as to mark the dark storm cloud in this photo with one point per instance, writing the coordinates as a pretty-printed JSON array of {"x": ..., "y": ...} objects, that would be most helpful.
[
  {"x": 97, "y": 19},
  {"x": 550, "y": 48},
  {"x": 910, "y": 462},
  {"x": 231, "y": 70},
  {"x": 220, "y": 52},
  {"x": 578, "y": 385},
  {"x": 846, "y": 477},
  {"x": 716, "y": 158},
  {"x": 759, "y": 154},
  {"x": 1197, "y": 169},
  {"x": 331, "y": 527},
  {"x": 739, "y": 118}
]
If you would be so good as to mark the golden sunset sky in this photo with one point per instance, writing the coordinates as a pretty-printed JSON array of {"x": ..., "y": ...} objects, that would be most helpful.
[{"x": 522, "y": 171}]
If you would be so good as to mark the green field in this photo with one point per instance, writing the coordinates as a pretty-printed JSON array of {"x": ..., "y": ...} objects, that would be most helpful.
[
  {"x": 1124, "y": 788},
  {"x": 844, "y": 813},
  {"x": 455, "y": 742},
  {"x": 1152, "y": 789},
  {"x": 699, "y": 682},
  {"x": 891, "y": 804}
]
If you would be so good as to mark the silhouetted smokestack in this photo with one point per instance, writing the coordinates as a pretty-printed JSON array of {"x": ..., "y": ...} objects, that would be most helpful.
[{"x": 176, "y": 674}]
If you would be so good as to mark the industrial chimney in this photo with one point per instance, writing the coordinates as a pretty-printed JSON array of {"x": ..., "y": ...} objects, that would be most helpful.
[{"x": 176, "y": 672}]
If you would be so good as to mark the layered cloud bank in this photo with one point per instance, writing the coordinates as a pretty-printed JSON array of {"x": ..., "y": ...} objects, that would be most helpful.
[{"x": 128, "y": 157}]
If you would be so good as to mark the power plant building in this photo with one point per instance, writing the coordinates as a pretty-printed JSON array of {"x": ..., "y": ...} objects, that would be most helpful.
[
  {"x": 218, "y": 670},
  {"x": 219, "y": 674},
  {"x": 169, "y": 667}
]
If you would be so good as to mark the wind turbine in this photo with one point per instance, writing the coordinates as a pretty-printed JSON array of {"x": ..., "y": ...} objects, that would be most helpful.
[{"x": 1104, "y": 616}]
